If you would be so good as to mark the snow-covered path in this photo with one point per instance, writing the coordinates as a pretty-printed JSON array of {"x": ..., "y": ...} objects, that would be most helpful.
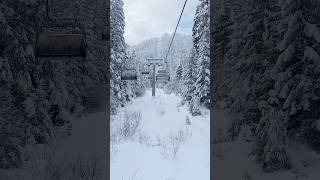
[{"x": 161, "y": 118}]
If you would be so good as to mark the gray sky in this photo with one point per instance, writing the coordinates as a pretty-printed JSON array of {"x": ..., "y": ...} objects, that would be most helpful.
[{"x": 146, "y": 19}]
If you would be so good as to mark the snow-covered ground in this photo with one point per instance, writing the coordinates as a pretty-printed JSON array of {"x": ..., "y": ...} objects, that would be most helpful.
[
  {"x": 53, "y": 161},
  {"x": 231, "y": 160},
  {"x": 149, "y": 154}
]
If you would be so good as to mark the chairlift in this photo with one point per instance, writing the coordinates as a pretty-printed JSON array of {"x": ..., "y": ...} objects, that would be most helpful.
[
  {"x": 162, "y": 71},
  {"x": 129, "y": 75},
  {"x": 57, "y": 45},
  {"x": 162, "y": 78},
  {"x": 145, "y": 72},
  {"x": 163, "y": 75},
  {"x": 55, "y": 41}
]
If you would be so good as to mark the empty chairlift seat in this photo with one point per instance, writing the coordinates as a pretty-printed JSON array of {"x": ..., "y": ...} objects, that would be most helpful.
[
  {"x": 150, "y": 77},
  {"x": 162, "y": 78},
  {"x": 129, "y": 74},
  {"x": 163, "y": 75},
  {"x": 58, "y": 44},
  {"x": 145, "y": 72}
]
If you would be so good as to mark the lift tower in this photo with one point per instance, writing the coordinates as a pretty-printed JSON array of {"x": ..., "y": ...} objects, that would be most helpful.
[{"x": 154, "y": 62}]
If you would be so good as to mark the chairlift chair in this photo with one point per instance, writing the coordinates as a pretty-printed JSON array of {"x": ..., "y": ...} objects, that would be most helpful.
[
  {"x": 129, "y": 75},
  {"x": 163, "y": 75},
  {"x": 57, "y": 41},
  {"x": 60, "y": 44},
  {"x": 162, "y": 71},
  {"x": 145, "y": 72},
  {"x": 162, "y": 78}
]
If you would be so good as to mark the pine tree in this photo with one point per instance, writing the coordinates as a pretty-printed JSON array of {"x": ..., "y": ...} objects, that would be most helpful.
[
  {"x": 198, "y": 68},
  {"x": 189, "y": 78},
  {"x": 118, "y": 55},
  {"x": 24, "y": 116},
  {"x": 271, "y": 136},
  {"x": 42, "y": 94},
  {"x": 203, "y": 57},
  {"x": 221, "y": 32},
  {"x": 178, "y": 75},
  {"x": 296, "y": 70}
]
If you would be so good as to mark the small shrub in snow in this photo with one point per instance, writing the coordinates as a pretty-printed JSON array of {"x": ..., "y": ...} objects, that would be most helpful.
[
  {"x": 52, "y": 165},
  {"x": 10, "y": 153},
  {"x": 131, "y": 125},
  {"x": 220, "y": 136},
  {"x": 47, "y": 165},
  {"x": 188, "y": 121},
  {"x": 171, "y": 146},
  {"x": 144, "y": 139},
  {"x": 246, "y": 176},
  {"x": 218, "y": 152},
  {"x": 133, "y": 177},
  {"x": 86, "y": 169}
]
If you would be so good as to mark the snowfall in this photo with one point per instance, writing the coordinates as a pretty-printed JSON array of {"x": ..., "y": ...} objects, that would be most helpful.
[{"x": 167, "y": 146}]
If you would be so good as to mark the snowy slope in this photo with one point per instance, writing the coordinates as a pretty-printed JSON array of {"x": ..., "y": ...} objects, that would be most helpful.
[
  {"x": 86, "y": 144},
  {"x": 231, "y": 160},
  {"x": 161, "y": 117}
]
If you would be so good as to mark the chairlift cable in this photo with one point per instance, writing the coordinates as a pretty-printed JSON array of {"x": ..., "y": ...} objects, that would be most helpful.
[{"x": 175, "y": 30}]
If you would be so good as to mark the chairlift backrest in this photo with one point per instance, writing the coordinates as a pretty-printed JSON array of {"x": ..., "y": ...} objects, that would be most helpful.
[
  {"x": 129, "y": 74},
  {"x": 162, "y": 71},
  {"x": 145, "y": 71},
  {"x": 162, "y": 78},
  {"x": 52, "y": 45},
  {"x": 60, "y": 41}
]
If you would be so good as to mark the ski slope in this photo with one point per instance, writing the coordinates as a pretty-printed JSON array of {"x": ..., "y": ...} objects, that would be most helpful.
[{"x": 151, "y": 157}]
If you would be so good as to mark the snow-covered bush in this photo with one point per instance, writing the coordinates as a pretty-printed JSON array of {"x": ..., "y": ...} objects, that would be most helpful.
[
  {"x": 130, "y": 125},
  {"x": 53, "y": 165},
  {"x": 85, "y": 168},
  {"x": 171, "y": 145},
  {"x": 188, "y": 121},
  {"x": 145, "y": 139},
  {"x": 246, "y": 176},
  {"x": 217, "y": 151},
  {"x": 220, "y": 136},
  {"x": 311, "y": 135},
  {"x": 10, "y": 153}
]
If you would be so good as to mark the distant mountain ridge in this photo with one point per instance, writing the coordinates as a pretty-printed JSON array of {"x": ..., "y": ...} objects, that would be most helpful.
[{"x": 158, "y": 47}]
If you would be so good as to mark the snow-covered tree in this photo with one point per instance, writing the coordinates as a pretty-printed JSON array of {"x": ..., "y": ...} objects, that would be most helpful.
[
  {"x": 272, "y": 61},
  {"x": 221, "y": 22},
  {"x": 42, "y": 95},
  {"x": 197, "y": 75},
  {"x": 271, "y": 136},
  {"x": 296, "y": 70},
  {"x": 118, "y": 55},
  {"x": 178, "y": 74}
]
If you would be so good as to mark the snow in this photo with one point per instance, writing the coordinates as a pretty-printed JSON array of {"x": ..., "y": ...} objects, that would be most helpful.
[
  {"x": 232, "y": 160},
  {"x": 311, "y": 30},
  {"x": 88, "y": 140},
  {"x": 311, "y": 54},
  {"x": 30, "y": 108},
  {"x": 318, "y": 125},
  {"x": 162, "y": 118}
]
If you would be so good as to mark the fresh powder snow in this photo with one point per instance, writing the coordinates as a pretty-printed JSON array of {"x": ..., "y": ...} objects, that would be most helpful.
[{"x": 149, "y": 154}]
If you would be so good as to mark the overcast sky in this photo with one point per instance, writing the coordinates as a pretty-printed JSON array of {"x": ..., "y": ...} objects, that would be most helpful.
[{"x": 146, "y": 19}]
